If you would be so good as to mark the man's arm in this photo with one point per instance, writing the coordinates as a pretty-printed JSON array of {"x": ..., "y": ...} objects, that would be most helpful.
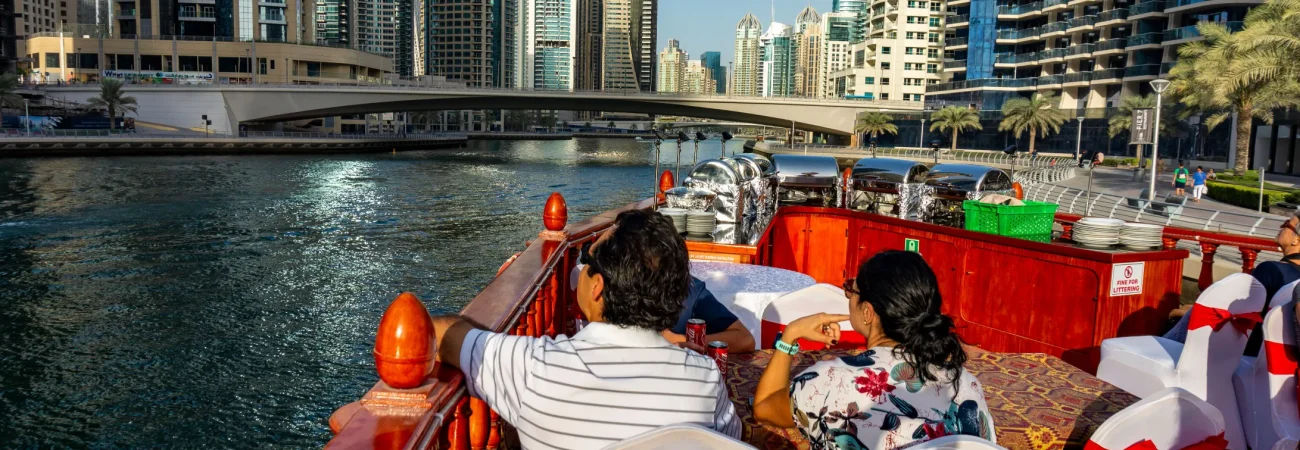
[
  {"x": 495, "y": 365},
  {"x": 449, "y": 333}
]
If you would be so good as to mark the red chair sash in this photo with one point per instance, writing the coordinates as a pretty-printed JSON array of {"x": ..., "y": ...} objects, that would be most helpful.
[
  {"x": 1210, "y": 443},
  {"x": 1205, "y": 316},
  {"x": 1281, "y": 358}
]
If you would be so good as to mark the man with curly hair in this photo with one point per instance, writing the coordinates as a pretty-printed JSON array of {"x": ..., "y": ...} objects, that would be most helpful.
[{"x": 616, "y": 378}]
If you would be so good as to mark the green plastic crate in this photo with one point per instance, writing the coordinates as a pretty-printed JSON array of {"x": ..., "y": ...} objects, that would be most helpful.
[{"x": 1031, "y": 221}]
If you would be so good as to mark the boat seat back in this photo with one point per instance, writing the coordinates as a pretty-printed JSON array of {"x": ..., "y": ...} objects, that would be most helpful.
[
  {"x": 1251, "y": 380},
  {"x": 681, "y": 436},
  {"x": 1210, "y": 355},
  {"x": 1279, "y": 354},
  {"x": 958, "y": 442},
  {"x": 818, "y": 298},
  {"x": 1171, "y": 419}
]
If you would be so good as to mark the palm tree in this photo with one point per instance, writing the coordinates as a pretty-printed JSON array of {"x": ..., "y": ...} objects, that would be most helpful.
[
  {"x": 1220, "y": 76},
  {"x": 957, "y": 119},
  {"x": 874, "y": 124},
  {"x": 1038, "y": 116},
  {"x": 8, "y": 84},
  {"x": 110, "y": 98}
]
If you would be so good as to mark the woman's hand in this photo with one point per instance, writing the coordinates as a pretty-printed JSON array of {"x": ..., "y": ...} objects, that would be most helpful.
[{"x": 820, "y": 327}]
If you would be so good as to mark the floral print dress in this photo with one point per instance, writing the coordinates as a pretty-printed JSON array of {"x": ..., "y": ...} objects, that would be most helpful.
[{"x": 875, "y": 401}]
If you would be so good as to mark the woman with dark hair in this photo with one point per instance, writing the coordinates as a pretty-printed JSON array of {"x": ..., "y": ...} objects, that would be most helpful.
[{"x": 908, "y": 386}]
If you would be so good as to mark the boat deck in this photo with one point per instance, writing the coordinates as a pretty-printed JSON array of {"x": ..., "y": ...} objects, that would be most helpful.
[{"x": 1038, "y": 401}]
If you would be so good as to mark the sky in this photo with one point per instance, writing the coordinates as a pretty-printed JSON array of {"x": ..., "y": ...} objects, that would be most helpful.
[{"x": 710, "y": 25}]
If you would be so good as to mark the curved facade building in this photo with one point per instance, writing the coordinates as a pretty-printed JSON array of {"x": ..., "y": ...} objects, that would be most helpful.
[{"x": 744, "y": 79}]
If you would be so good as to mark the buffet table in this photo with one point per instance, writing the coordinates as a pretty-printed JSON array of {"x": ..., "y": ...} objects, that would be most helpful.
[{"x": 1037, "y": 401}]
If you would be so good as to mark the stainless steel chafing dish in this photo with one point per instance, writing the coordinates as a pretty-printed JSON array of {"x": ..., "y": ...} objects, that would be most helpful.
[
  {"x": 880, "y": 185},
  {"x": 806, "y": 180},
  {"x": 955, "y": 183},
  {"x": 764, "y": 164},
  {"x": 723, "y": 177}
]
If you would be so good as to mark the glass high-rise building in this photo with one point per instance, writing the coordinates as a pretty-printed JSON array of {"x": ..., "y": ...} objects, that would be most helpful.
[
  {"x": 744, "y": 76},
  {"x": 713, "y": 62},
  {"x": 334, "y": 22},
  {"x": 628, "y": 55},
  {"x": 459, "y": 41},
  {"x": 549, "y": 31},
  {"x": 777, "y": 69}
]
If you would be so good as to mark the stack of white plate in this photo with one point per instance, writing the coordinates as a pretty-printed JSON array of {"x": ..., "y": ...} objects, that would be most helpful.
[
  {"x": 1097, "y": 232},
  {"x": 1141, "y": 236},
  {"x": 700, "y": 223},
  {"x": 678, "y": 215}
]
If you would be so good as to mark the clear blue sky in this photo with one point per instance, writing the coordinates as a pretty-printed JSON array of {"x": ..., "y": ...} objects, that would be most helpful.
[{"x": 710, "y": 25}]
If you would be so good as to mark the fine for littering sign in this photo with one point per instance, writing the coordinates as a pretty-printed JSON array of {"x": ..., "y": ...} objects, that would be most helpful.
[{"x": 1126, "y": 279}]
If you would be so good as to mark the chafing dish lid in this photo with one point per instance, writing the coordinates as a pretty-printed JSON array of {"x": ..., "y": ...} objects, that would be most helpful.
[{"x": 890, "y": 169}]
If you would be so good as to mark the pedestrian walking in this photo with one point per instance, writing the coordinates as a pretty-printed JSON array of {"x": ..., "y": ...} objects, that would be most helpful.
[
  {"x": 1198, "y": 184},
  {"x": 1180, "y": 180}
]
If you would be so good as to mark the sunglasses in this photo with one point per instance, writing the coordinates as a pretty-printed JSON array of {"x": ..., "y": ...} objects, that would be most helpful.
[
  {"x": 1286, "y": 225},
  {"x": 850, "y": 287}
]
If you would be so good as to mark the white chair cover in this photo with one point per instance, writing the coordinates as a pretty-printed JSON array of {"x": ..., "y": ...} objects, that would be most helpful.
[
  {"x": 1279, "y": 351},
  {"x": 681, "y": 436},
  {"x": 1171, "y": 419},
  {"x": 1250, "y": 380},
  {"x": 1203, "y": 365},
  {"x": 957, "y": 442}
]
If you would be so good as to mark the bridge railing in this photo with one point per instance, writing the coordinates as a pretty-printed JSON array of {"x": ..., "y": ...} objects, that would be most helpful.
[{"x": 905, "y": 105}]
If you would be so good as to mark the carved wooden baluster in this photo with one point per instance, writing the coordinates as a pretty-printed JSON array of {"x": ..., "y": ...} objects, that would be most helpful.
[
  {"x": 478, "y": 424},
  {"x": 494, "y": 435},
  {"x": 458, "y": 434},
  {"x": 555, "y": 294},
  {"x": 1248, "y": 259},
  {"x": 1207, "y": 265},
  {"x": 1170, "y": 243},
  {"x": 530, "y": 319}
]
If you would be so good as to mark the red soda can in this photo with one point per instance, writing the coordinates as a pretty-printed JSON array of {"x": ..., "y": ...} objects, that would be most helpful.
[
  {"x": 695, "y": 331},
  {"x": 718, "y": 351}
]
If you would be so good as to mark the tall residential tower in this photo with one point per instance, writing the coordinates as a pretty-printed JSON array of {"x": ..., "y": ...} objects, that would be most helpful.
[
  {"x": 629, "y": 45},
  {"x": 713, "y": 62},
  {"x": 744, "y": 77}
]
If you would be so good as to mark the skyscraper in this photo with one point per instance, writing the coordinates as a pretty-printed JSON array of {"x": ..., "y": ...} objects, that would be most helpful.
[
  {"x": 744, "y": 77},
  {"x": 458, "y": 41},
  {"x": 809, "y": 52},
  {"x": 548, "y": 48},
  {"x": 629, "y": 45},
  {"x": 698, "y": 79},
  {"x": 776, "y": 70},
  {"x": 376, "y": 30},
  {"x": 713, "y": 62},
  {"x": 590, "y": 25},
  {"x": 858, "y": 10},
  {"x": 334, "y": 24},
  {"x": 672, "y": 67},
  {"x": 837, "y": 37},
  {"x": 404, "y": 58},
  {"x": 504, "y": 43}
]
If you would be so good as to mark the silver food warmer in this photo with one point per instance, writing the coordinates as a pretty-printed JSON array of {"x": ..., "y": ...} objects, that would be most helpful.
[
  {"x": 954, "y": 183},
  {"x": 887, "y": 186},
  {"x": 806, "y": 180}
]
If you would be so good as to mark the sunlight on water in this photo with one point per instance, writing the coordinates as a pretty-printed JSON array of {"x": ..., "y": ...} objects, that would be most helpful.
[{"x": 231, "y": 301}]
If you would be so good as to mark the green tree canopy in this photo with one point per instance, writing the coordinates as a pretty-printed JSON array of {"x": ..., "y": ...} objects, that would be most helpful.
[{"x": 956, "y": 119}]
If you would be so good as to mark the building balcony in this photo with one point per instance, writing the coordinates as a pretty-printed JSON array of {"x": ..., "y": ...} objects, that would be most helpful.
[
  {"x": 272, "y": 2},
  {"x": 1174, "y": 6},
  {"x": 1053, "y": 28},
  {"x": 1053, "y": 5},
  {"x": 1016, "y": 35},
  {"x": 1115, "y": 45},
  {"x": 1146, "y": 40},
  {"x": 959, "y": 20},
  {"x": 1081, "y": 23},
  {"x": 1050, "y": 81},
  {"x": 194, "y": 15},
  {"x": 1052, "y": 55},
  {"x": 1166, "y": 67},
  {"x": 955, "y": 43},
  {"x": 1190, "y": 33},
  {"x": 955, "y": 65},
  {"x": 1019, "y": 10},
  {"x": 1079, "y": 51},
  {"x": 1146, "y": 9},
  {"x": 1107, "y": 76},
  {"x": 125, "y": 14},
  {"x": 1077, "y": 79},
  {"x": 1114, "y": 15},
  {"x": 197, "y": 2},
  {"x": 1015, "y": 58},
  {"x": 271, "y": 18},
  {"x": 1146, "y": 71},
  {"x": 981, "y": 84},
  {"x": 125, "y": 1}
]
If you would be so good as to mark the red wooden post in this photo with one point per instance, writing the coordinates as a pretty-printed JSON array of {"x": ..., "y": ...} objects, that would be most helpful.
[
  {"x": 1207, "y": 265},
  {"x": 478, "y": 424},
  {"x": 494, "y": 436},
  {"x": 1170, "y": 243},
  {"x": 458, "y": 433},
  {"x": 1248, "y": 259}
]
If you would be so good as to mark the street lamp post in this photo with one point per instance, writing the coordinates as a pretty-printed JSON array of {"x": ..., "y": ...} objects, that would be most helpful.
[
  {"x": 1159, "y": 85},
  {"x": 27, "y": 113},
  {"x": 77, "y": 63},
  {"x": 1078, "y": 141},
  {"x": 921, "y": 142}
]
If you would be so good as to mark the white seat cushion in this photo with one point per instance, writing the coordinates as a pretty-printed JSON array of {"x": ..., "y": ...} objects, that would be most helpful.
[
  {"x": 1140, "y": 365},
  {"x": 1252, "y": 401}
]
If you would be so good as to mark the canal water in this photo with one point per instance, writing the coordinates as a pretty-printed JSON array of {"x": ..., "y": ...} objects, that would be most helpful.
[{"x": 232, "y": 301}]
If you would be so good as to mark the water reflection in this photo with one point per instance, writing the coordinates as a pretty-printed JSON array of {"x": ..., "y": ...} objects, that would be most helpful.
[{"x": 232, "y": 300}]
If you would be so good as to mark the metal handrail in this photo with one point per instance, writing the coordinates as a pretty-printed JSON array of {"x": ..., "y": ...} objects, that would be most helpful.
[{"x": 1076, "y": 201}]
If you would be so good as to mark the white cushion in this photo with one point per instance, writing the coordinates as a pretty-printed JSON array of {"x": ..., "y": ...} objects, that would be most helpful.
[
  {"x": 1171, "y": 418},
  {"x": 1140, "y": 365},
  {"x": 957, "y": 442},
  {"x": 681, "y": 436}
]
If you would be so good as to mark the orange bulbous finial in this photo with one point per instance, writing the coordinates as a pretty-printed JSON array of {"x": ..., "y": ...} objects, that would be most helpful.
[
  {"x": 666, "y": 182},
  {"x": 556, "y": 214},
  {"x": 404, "y": 346},
  {"x": 1020, "y": 190}
]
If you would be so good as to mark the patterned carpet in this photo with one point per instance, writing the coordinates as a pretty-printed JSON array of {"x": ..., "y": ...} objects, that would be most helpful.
[{"x": 1037, "y": 401}]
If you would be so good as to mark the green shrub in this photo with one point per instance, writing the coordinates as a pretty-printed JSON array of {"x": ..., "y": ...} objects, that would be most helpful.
[{"x": 1242, "y": 196}]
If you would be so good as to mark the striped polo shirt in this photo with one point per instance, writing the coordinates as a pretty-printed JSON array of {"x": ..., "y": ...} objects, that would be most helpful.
[{"x": 603, "y": 385}]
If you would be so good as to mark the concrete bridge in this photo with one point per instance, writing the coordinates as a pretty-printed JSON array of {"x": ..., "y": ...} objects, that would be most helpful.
[{"x": 229, "y": 105}]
